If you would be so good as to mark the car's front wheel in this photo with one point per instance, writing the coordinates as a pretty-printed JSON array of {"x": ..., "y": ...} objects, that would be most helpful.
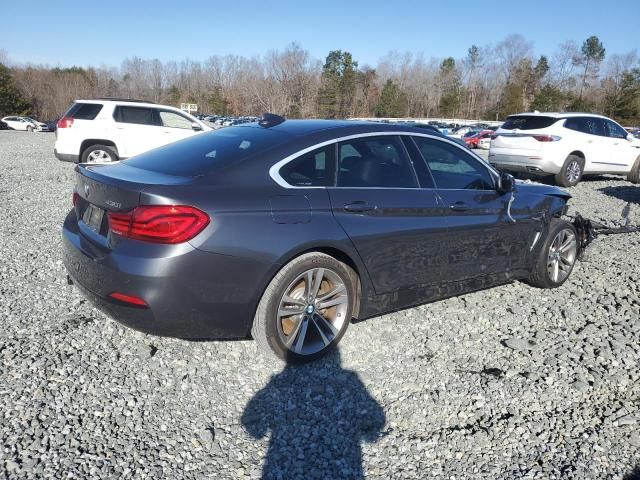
[
  {"x": 99, "y": 154},
  {"x": 557, "y": 256},
  {"x": 634, "y": 174},
  {"x": 29, "y": 128},
  {"x": 306, "y": 309}
]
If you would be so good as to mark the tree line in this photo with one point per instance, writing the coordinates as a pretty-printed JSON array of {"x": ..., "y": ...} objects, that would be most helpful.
[{"x": 489, "y": 83}]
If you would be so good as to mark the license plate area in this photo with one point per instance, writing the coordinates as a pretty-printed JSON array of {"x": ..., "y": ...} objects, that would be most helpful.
[{"x": 93, "y": 217}]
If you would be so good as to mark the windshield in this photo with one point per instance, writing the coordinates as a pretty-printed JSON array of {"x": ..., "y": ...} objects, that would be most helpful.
[{"x": 199, "y": 154}]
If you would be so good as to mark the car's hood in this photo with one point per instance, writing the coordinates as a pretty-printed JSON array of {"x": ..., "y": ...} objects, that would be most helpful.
[{"x": 527, "y": 186}]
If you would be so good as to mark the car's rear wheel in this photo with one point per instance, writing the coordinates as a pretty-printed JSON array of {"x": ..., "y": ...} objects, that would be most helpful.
[
  {"x": 29, "y": 128},
  {"x": 634, "y": 174},
  {"x": 99, "y": 154},
  {"x": 557, "y": 256},
  {"x": 306, "y": 309},
  {"x": 571, "y": 172}
]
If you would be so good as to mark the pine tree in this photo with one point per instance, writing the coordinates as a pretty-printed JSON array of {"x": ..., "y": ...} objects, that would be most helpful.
[
  {"x": 392, "y": 103},
  {"x": 336, "y": 96},
  {"x": 12, "y": 101}
]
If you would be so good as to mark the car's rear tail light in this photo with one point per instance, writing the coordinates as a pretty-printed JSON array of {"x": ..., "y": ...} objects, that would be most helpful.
[
  {"x": 129, "y": 299},
  {"x": 159, "y": 223},
  {"x": 546, "y": 138},
  {"x": 74, "y": 198},
  {"x": 65, "y": 122}
]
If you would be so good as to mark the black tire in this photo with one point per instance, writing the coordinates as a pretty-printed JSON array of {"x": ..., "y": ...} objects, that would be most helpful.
[
  {"x": 108, "y": 150},
  {"x": 566, "y": 177},
  {"x": 540, "y": 276},
  {"x": 29, "y": 128},
  {"x": 267, "y": 327},
  {"x": 634, "y": 174}
]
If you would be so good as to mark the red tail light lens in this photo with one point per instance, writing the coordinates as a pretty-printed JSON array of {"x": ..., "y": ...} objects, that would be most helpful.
[
  {"x": 74, "y": 198},
  {"x": 65, "y": 122},
  {"x": 159, "y": 223},
  {"x": 546, "y": 138}
]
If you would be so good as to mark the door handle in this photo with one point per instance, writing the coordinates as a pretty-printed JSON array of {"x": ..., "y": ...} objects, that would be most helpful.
[
  {"x": 359, "y": 207},
  {"x": 459, "y": 207}
]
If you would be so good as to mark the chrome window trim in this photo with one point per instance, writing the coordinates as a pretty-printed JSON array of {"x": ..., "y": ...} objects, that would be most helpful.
[{"x": 274, "y": 171}]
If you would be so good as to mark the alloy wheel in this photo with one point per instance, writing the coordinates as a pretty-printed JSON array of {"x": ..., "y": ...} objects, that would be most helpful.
[
  {"x": 573, "y": 171},
  {"x": 98, "y": 156},
  {"x": 562, "y": 255},
  {"x": 312, "y": 311}
]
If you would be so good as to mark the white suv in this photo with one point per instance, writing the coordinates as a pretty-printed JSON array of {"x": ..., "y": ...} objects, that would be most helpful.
[
  {"x": 566, "y": 145},
  {"x": 106, "y": 130}
]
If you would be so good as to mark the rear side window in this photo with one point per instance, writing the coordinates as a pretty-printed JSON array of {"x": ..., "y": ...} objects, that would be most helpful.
[
  {"x": 452, "y": 168},
  {"x": 313, "y": 169},
  {"x": 202, "y": 153},
  {"x": 84, "y": 111},
  {"x": 527, "y": 122},
  {"x": 136, "y": 115},
  {"x": 375, "y": 162},
  {"x": 615, "y": 131},
  {"x": 590, "y": 125}
]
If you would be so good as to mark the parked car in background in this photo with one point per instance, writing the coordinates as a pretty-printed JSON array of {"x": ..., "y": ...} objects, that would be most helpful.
[
  {"x": 20, "y": 123},
  {"x": 362, "y": 219},
  {"x": 40, "y": 126},
  {"x": 106, "y": 130},
  {"x": 432, "y": 129},
  {"x": 472, "y": 140},
  {"x": 566, "y": 145},
  {"x": 460, "y": 132},
  {"x": 484, "y": 143}
]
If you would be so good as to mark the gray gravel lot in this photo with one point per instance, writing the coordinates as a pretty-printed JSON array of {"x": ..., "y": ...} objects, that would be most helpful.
[{"x": 505, "y": 383}]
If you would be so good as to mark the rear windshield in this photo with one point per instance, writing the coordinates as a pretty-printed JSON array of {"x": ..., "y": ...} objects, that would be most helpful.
[
  {"x": 528, "y": 122},
  {"x": 84, "y": 111},
  {"x": 199, "y": 154}
]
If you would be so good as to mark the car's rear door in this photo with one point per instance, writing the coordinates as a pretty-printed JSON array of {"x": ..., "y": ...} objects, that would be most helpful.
[
  {"x": 137, "y": 130},
  {"x": 590, "y": 139},
  {"x": 484, "y": 240},
  {"x": 393, "y": 219}
]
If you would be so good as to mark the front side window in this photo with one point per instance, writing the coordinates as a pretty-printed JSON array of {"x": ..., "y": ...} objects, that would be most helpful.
[
  {"x": 174, "y": 120},
  {"x": 313, "y": 169},
  {"x": 453, "y": 168},
  {"x": 615, "y": 131},
  {"x": 136, "y": 115},
  {"x": 375, "y": 162}
]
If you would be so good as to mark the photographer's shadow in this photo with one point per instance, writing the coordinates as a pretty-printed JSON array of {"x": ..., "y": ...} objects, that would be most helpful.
[{"x": 318, "y": 415}]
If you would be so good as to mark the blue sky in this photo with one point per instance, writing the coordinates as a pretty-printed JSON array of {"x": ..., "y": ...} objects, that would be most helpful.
[{"x": 97, "y": 33}]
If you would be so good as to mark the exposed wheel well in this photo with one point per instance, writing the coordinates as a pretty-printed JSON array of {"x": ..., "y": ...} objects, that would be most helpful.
[
  {"x": 94, "y": 141},
  {"x": 577, "y": 153}
]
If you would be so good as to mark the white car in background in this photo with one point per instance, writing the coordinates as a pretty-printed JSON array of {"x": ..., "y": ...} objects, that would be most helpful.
[
  {"x": 567, "y": 145},
  {"x": 26, "y": 124},
  {"x": 107, "y": 130}
]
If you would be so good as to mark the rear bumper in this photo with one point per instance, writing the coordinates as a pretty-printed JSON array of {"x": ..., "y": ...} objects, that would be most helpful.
[
  {"x": 524, "y": 163},
  {"x": 66, "y": 157},
  {"x": 190, "y": 293}
]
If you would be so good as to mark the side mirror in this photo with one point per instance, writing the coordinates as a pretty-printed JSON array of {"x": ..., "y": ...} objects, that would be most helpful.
[
  {"x": 196, "y": 126},
  {"x": 506, "y": 183}
]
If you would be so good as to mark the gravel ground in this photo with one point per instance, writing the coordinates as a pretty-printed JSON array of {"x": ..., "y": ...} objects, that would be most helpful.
[{"x": 505, "y": 383}]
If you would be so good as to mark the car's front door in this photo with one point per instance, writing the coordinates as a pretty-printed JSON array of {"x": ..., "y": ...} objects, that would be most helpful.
[
  {"x": 487, "y": 236},
  {"x": 174, "y": 127},
  {"x": 622, "y": 154},
  {"x": 394, "y": 222}
]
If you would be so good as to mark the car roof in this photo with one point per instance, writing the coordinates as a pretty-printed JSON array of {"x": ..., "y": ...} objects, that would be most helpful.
[
  {"x": 337, "y": 127},
  {"x": 558, "y": 115},
  {"x": 135, "y": 103}
]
